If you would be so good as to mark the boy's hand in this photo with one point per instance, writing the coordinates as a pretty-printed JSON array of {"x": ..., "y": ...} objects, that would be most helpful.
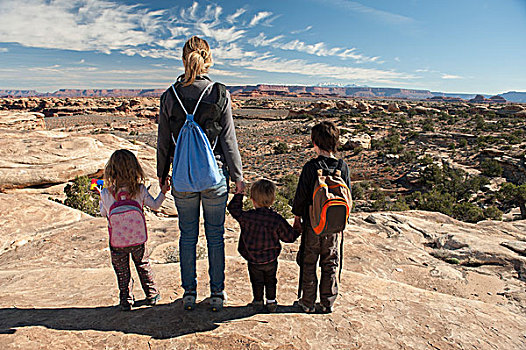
[{"x": 297, "y": 224}]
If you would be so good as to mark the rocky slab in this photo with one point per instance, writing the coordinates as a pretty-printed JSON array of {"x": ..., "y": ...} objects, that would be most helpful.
[{"x": 59, "y": 291}]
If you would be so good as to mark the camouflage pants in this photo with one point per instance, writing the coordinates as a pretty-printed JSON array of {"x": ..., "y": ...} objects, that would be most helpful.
[{"x": 120, "y": 259}]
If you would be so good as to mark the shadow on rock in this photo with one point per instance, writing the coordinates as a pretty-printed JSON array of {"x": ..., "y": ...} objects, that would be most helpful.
[{"x": 161, "y": 322}]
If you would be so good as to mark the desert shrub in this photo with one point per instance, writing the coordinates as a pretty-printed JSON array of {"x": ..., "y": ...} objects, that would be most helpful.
[
  {"x": 79, "y": 196},
  {"x": 480, "y": 123},
  {"x": 281, "y": 148},
  {"x": 462, "y": 143},
  {"x": 281, "y": 206},
  {"x": 400, "y": 205},
  {"x": 358, "y": 191},
  {"x": 428, "y": 125},
  {"x": 491, "y": 168},
  {"x": 468, "y": 212},
  {"x": 390, "y": 144},
  {"x": 437, "y": 201},
  {"x": 288, "y": 187},
  {"x": 408, "y": 157},
  {"x": 513, "y": 195},
  {"x": 493, "y": 213}
]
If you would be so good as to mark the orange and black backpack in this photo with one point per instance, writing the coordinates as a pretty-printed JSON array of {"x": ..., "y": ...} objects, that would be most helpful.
[{"x": 331, "y": 201}]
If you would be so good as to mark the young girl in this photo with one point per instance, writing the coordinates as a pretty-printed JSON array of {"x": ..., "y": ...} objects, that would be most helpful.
[{"x": 124, "y": 173}]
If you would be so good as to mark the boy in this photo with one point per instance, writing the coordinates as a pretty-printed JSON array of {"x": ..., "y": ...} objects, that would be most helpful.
[
  {"x": 261, "y": 230},
  {"x": 324, "y": 138}
]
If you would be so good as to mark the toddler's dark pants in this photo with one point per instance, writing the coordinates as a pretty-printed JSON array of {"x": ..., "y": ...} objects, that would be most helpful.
[
  {"x": 120, "y": 259},
  {"x": 325, "y": 248},
  {"x": 263, "y": 277}
]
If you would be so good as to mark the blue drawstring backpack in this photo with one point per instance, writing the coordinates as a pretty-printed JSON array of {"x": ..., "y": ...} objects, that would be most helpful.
[{"x": 194, "y": 166}]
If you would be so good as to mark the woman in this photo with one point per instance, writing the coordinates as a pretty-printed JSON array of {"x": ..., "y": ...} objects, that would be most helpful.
[{"x": 214, "y": 115}]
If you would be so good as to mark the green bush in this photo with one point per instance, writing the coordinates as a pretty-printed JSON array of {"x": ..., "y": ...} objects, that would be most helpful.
[
  {"x": 281, "y": 206},
  {"x": 288, "y": 187},
  {"x": 281, "y": 148},
  {"x": 357, "y": 191},
  {"x": 491, "y": 168},
  {"x": 79, "y": 196},
  {"x": 493, "y": 213},
  {"x": 468, "y": 212}
]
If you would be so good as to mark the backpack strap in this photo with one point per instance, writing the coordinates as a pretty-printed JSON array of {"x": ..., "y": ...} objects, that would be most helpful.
[
  {"x": 188, "y": 115},
  {"x": 339, "y": 167}
]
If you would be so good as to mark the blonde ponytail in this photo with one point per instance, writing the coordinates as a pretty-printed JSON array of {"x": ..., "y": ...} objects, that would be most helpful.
[{"x": 196, "y": 58}]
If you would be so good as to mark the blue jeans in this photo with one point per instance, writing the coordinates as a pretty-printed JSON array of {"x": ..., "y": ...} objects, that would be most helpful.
[{"x": 214, "y": 204}]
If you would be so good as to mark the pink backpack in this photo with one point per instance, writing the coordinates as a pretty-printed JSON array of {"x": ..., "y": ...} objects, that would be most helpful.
[{"x": 126, "y": 222}]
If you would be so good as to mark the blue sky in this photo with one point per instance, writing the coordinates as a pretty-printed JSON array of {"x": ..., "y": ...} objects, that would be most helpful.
[{"x": 452, "y": 46}]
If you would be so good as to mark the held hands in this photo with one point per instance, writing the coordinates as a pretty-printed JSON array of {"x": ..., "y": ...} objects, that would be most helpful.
[
  {"x": 164, "y": 187},
  {"x": 297, "y": 223},
  {"x": 240, "y": 187}
]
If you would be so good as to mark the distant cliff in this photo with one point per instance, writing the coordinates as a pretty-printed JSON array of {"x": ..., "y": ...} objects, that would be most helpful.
[{"x": 262, "y": 90}]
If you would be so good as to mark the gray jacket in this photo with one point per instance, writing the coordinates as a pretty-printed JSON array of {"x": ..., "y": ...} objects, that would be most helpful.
[{"x": 226, "y": 152}]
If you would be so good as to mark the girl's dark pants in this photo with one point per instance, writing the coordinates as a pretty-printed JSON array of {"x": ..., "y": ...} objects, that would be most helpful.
[
  {"x": 325, "y": 248},
  {"x": 120, "y": 259},
  {"x": 263, "y": 277}
]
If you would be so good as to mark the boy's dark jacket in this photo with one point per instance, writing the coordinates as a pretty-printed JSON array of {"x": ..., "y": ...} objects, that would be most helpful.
[
  {"x": 261, "y": 231},
  {"x": 305, "y": 189}
]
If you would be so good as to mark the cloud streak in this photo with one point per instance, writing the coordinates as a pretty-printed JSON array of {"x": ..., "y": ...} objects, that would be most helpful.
[
  {"x": 77, "y": 25},
  {"x": 355, "y": 6},
  {"x": 269, "y": 63}
]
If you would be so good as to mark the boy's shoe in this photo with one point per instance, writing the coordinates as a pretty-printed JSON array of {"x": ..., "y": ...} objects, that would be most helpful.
[
  {"x": 125, "y": 306},
  {"x": 272, "y": 306},
  {"x": 189, "y": 300},
  {"x": 217, "y": 300},
  {"x": 153, "y": 300},
  {"x": 326, "y": 309},
  {"x": 305, "y": 308}
]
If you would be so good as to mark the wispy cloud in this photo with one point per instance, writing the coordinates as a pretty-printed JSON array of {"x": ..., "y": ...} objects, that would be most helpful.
[
  {"x": 355, "y": 6},
  {"x": 81, "y": 25},
  {"x": 233, "y": 17},
  {"x": 269, "y": 63},
  {"x": 318, "y": 49},
  {"x": 306, "y": 29},
  {"x": 259, "y": 17},
  {"x": 4, "y": 49},
  {"x": 451, "y": 76}
]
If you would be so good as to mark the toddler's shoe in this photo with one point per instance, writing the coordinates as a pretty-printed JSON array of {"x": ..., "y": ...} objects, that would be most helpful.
[
  {"x": 326, "y": 309},
  {"x": 307, "y": 309},
  {"x": 153, "y": 300},
  {"x": 217, "y": 300},
  {"x": 272, "y": 306},
  {"x": 189, "y": 300}
]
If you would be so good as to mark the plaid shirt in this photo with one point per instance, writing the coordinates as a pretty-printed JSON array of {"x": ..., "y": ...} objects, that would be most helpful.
[{"x": 261, "y": 231}]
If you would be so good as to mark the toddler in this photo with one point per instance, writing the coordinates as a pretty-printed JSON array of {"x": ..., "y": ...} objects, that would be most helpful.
[
  {"x": 124, "y": 176},
  {"x": 261, "y": 230}
]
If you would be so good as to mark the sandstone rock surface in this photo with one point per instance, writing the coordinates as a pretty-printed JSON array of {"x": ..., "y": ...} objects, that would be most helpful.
[{"x": 59, "y": 290}]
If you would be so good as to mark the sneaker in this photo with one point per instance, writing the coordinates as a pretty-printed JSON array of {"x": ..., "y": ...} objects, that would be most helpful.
[
  {"x": 217, "y": 300},
  {"x": 153, "y": 300},
  {"x": 305, "y": 308},
  {"x": 326, "y": 309},
  {"x": 189, "y": 300},
  {"x": 272, "y": 307}
]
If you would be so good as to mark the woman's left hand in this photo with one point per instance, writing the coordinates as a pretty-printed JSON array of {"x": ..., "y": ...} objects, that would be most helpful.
[{"x": 240, "y": 186}]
